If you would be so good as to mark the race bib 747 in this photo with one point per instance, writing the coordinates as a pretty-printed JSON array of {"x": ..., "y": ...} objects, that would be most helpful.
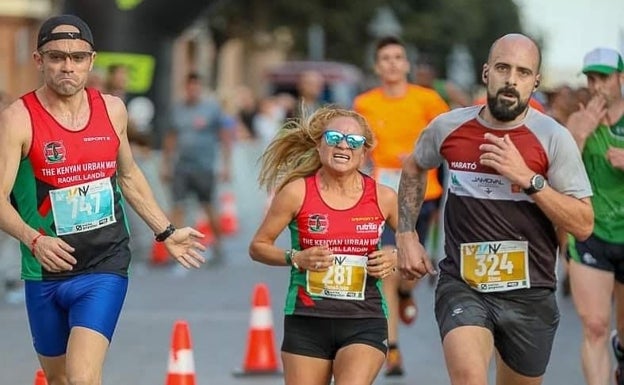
[{"x": 83, "y": 207}]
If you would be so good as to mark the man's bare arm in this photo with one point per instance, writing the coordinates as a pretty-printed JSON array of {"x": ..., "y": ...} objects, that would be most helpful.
[
  {"x": 182, "y": 244},
  {"x": 412, "y": 189},
  {"x": 53, "y": 253},
  {"x": 14, "y": 135},
  {"x": 413, "y": 261},
  {"x": 570, "y": 214},
  {"x": 134, "y": 185}
]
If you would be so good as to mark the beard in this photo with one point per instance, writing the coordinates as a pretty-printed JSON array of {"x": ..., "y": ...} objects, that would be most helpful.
[{"x": 502, "y": 110}]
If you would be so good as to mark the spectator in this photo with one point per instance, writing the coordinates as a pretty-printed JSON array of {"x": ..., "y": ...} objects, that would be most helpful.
[
  {"x": 562, "y": 101},
  {"x": 310, "y": 88},
  {"x": 200, "y": 131},
  {"x": 426, "y": 75},
  {"x": 117, "y": 81}
]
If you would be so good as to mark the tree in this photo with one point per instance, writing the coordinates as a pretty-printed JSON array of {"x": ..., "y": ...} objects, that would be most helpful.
[{"x": 433, "y": 26}]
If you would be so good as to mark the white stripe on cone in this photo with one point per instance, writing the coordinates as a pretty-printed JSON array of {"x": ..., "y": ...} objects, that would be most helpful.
[
  {"x": 182, "y": 363},
  {"x": 261, "y": 318}
]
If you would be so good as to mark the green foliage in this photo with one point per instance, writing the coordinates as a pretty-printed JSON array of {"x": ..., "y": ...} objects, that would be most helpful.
[
  {"x": 432, "y": 26},
  {"x": 127, "y": 5}
]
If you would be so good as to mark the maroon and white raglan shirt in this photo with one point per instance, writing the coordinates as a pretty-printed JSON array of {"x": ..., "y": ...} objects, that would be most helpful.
[{"x": 496, "y": 237}]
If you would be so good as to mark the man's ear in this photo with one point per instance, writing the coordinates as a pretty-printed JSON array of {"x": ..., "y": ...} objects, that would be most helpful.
[
  {"x": 38, "y": 60},
  {"x": 484, "y": 74}
]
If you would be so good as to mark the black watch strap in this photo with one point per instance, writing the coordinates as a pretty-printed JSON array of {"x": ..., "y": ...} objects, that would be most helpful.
[
  {"x": 530, "y": 191},
  {"x": 165, "y": 234},
  {"x": 536, "y": 184}
]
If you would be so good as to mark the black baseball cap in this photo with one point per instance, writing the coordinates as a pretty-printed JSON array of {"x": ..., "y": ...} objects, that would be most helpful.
[{"x": 46, "y": 34}]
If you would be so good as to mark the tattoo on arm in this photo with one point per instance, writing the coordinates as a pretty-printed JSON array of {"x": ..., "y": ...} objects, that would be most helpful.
[{"x": 411, "y": 197}]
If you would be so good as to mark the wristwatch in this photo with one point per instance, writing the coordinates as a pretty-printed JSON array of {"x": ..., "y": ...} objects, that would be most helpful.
[
  {"x": 165, "y": 234},
  {"x": 537, "y": 183}
]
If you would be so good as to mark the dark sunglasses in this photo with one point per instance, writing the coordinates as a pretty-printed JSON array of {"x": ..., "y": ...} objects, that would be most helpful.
[
  {"x": 61, "y": 56},
  {"x": 333, "y": 138}
]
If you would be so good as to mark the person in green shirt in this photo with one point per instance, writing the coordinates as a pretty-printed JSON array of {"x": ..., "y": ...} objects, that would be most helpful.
[{"x": 597, "y": 264}]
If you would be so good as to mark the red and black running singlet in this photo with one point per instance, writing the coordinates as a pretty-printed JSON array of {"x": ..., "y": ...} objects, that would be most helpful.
[
  {"x": 344, "y": 290},
  {"x": 67, "y": 187}
]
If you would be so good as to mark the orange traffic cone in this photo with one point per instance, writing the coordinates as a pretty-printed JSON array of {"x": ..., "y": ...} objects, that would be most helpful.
[
  {"x": 203, "y": 226},
  {"x": 228, "y": 218},
  {"x": 181, "y": 367},
  {"x": 160, "y": 255},
  {"x": 260, "y": 357},
  {"x": 40, "y": 378}
]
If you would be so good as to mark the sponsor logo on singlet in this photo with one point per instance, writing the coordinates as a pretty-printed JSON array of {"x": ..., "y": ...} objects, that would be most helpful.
[
  {"x": 463, "y": 165},
  {"x": 318, "y": 223},
  {"x": 370, "y": 227},
  {"x": 54, "y": 152}
]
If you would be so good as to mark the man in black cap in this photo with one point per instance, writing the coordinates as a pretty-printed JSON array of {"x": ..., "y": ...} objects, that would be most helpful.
[{"x": 65, "y": 163}]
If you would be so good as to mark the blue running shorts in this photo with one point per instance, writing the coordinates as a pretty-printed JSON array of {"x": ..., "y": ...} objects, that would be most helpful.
[{"x": 93, "y": 301}]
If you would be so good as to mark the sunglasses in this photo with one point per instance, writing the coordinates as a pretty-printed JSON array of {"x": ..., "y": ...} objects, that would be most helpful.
[
  {"x": 61, "y": 56},
  {"x": 333, "y": 138}
]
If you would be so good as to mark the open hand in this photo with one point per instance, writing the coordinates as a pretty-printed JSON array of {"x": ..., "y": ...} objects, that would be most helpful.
[
  {"x": 584, "y": 121},
  {"x": 184, "y": 247}
]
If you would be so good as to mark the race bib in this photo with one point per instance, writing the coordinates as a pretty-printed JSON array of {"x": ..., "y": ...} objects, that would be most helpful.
[
  {"x": 345, "y": 279},
  {"x": 389, "y": 177},
  {"x": 83, "y": 207},
  {"x": 495, "y": 266}
]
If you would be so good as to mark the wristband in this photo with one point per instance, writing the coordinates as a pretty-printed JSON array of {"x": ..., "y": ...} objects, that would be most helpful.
[
  {"x": 34, "y": 242},
  {"x": 165, "y": 234},
  {"x": 292, "y": 259},
  {"x": 288, "y": 257}
]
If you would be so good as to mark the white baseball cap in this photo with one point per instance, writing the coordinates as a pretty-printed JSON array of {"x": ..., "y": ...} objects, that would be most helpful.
[{"x": 603, "y": 60}]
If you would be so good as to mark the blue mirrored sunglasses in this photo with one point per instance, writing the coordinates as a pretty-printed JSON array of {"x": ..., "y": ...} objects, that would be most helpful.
[{"x": 354, "y": 141}]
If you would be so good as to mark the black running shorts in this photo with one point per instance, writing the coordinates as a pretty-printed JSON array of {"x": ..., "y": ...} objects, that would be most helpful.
[
  {"x": 523, "y": 322},
  {"x": 599, "y": 254},
  {"x": 322, "y": 337}
]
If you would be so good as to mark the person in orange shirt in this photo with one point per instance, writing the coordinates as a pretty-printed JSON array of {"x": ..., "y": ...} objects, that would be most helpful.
[{"x": 397, "y": 112}]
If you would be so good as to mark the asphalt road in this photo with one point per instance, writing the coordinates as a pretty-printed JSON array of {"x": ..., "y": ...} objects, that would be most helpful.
[{"x": 216, "y": 303}]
